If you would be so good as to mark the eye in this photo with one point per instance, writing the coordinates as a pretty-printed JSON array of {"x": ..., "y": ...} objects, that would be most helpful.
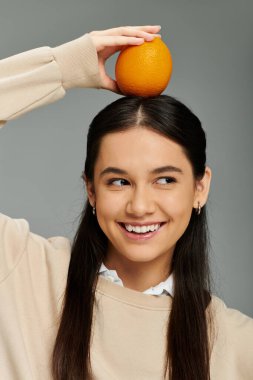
[
  {"x": 117, "y": 182},
  {"x": 166, "y": 180}
]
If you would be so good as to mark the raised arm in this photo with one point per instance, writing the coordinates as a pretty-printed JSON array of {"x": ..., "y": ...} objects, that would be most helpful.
[{"x": 41, "y": 76}]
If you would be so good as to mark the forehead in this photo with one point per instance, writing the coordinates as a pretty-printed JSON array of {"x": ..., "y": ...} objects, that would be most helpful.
[{"x": 140, "y": 147}]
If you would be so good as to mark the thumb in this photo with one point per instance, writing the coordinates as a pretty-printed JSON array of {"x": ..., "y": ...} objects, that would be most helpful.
[{"x": 111, "y": 84}]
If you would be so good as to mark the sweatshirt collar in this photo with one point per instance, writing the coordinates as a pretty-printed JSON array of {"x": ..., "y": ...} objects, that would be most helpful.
[{"x": 164, "y": 287}]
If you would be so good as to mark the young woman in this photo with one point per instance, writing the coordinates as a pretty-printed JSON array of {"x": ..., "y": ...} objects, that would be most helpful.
[{"x": 130, "y": 299}]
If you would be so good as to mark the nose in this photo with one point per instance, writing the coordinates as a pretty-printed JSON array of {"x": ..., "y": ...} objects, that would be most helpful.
[{"x": 140, "y": 202}]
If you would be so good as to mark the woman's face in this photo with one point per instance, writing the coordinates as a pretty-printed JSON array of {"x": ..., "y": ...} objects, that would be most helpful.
[{"x": 144, "y": 191}]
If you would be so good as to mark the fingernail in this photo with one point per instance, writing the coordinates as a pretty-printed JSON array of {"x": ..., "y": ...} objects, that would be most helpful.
[{"x": 150, "y": 38}]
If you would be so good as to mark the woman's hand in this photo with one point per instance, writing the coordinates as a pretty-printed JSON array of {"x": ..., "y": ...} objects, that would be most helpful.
[{"x": 108, "y": 42}]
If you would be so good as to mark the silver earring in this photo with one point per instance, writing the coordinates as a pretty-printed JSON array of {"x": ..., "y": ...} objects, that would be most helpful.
[
  {"x": 198, "y": 209},
  {"x": 94, "y": 210}
]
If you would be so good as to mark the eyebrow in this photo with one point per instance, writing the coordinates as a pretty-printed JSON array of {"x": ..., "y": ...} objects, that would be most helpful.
[{"x": 162, "y": 169}]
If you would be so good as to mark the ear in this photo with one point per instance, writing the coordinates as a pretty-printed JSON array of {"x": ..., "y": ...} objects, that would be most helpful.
[
  {"x": 202, "y": 188},
  {"x": 90, "y": 191}
]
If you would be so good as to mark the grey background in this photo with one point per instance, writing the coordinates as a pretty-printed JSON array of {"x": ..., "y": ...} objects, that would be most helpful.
[{"x": 42, "y": 153}]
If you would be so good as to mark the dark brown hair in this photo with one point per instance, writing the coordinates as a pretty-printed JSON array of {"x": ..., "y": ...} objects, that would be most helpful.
[{"x": 188, "y": 348}]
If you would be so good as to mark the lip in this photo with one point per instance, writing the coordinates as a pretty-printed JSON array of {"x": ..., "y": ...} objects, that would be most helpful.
[
  {"x": 140, "y": 237},
  {"x": 142, "y": 224}
]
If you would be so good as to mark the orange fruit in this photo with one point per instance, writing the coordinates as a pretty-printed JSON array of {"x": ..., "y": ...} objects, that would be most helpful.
[{"x": 144, "y": 70}]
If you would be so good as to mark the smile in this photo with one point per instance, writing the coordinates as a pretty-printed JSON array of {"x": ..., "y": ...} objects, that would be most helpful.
[
  {"x": 142, "y": 229},
  {"x": 140, "y": 232}
]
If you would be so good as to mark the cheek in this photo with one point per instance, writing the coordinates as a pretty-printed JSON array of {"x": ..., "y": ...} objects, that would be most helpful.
[
  {"x": 178, "y": 204},
  {"x": 179, "y": 211},
  {"x": 109, "y": 204}
]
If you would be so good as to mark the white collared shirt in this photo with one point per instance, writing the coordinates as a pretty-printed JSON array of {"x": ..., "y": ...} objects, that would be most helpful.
[{"x": 164, "y": 287}]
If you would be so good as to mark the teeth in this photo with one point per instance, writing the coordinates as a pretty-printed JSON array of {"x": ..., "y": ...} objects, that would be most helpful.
[{"x": 142, "y": 229}]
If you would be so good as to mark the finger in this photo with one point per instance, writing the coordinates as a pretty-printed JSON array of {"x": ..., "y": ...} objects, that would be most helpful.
[
  {"x": 136, "y": 32},
  {"x": 118, "y": 41},
  {"x": 111, "y": 84},
  {"x": 128, "y": 30},
  {"x": 147, "y": 28}
]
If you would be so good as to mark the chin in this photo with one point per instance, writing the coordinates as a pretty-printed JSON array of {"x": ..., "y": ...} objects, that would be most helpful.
[{"x": 141, "y": 256}]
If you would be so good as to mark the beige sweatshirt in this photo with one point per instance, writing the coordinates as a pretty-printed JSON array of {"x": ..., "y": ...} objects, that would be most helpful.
[{"x": 129, "y": 331}]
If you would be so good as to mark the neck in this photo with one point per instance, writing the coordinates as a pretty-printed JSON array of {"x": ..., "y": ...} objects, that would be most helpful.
[{"x": 139, "y": 276}]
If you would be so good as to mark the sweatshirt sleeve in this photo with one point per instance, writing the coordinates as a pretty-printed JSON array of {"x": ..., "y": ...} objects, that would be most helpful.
[
  {"x": 41, "y": 76},
  {"x": 29, "y": 80},
  {"x": 13, "y": 240},
  {"x": 241, "y": 337},
  {"x": 232, "y": 356}
]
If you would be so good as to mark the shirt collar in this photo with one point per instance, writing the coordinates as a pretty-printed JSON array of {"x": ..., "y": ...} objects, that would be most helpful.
[{"x": 164, "y": 287}]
